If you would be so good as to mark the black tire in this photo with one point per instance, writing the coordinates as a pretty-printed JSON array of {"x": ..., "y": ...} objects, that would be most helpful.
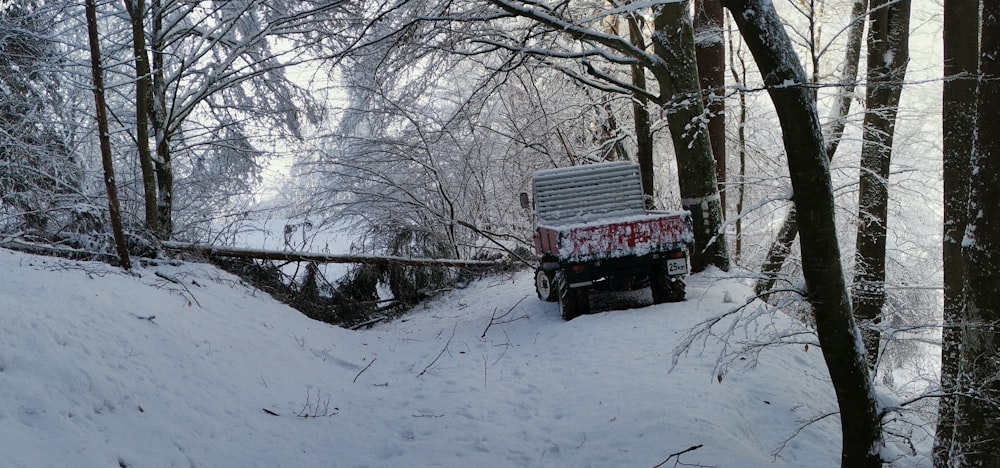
[
  {"x": 545, "y": 286},
  {"x": 573, "y": 302},
  {"x": 666, "y": 288}
]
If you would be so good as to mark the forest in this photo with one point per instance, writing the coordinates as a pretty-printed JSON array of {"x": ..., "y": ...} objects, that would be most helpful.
[{"x": 837, "y": 155}]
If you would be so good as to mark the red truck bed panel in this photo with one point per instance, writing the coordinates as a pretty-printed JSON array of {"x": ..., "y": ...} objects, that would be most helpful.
[{"x": 636, "y": 235}]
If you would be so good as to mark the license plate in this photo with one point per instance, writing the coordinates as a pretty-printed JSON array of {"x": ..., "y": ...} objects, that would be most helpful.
[{"x": 677, "y": 266}]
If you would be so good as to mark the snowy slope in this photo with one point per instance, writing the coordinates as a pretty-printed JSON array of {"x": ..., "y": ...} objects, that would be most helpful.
[{"x": 100, "y": 368}]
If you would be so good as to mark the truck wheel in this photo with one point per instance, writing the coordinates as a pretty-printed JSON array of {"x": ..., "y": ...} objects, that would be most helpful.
[
  {"x": 545, "y": 286},
  {"x": 666, "y": 288},
  {"x": 573, "y": 302}
]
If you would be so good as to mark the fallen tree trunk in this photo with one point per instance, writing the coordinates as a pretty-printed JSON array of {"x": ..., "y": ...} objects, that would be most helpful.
[
  {"x": 50, "y": 250},
  {"x": 235, "y": 252}
]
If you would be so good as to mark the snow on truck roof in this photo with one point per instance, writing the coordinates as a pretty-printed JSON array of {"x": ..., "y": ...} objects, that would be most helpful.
[{"x": 583, "y": 193}]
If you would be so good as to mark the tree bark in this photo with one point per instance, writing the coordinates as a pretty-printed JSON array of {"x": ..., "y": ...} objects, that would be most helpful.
[
  {"x": 958, "y": 107},
  {"x": 114, "y": 212},
  {"x": 610, "y": 140},
  {"x": 781, "y": 247},
  {"x": 161, "y": 127},
  {"x": 710, "y": 51},
  {"x": 739, "y": 74},
  {"x": 673, "y": 42},
  {"x": 808, "y": 167},
  {"x": 888, "y": 54},
  {"x": 978, "y": 423},
  {"x": 136, "y": 10},
  {"x": 640, "y": 112}
]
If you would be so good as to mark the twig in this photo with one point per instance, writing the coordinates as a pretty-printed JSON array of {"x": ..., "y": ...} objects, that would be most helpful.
[
  {"x": 319, "y": 409},
  {"x": 491, "y": 237},
  {"x": 493, "y": 318},
  {"x": 368, "y": 323},
  {"x": 180, "y": 283},
  {"x": 799, "y": 430},
  {"x": 272, "y": 413},
  {"x": 445, "y": 348},
  {"x": 363, "y": 370},
  {"x": 168, "y": 277},
  {"x": 678, "y": 454}
]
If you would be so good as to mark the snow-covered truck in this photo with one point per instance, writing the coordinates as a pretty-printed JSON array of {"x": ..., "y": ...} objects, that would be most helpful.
[{"x": 593, "y": 232}]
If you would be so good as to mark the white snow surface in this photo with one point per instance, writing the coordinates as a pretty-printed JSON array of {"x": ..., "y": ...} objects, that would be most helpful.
[{"x": 99, "y": 368}]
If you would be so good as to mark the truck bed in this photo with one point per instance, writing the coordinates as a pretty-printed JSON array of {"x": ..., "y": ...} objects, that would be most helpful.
[{"x": 615, "y": 237}]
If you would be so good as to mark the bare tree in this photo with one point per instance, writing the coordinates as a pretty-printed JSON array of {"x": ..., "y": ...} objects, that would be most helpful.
[
  {"x": 159, "y": 120},
  {"x": 710, "y": 47},
  {"x": 105, "y": 139},
  {"x": 219, "y": 89},
  {"x": 640, "y": 111},
  {"x": 888, "y": 54},
  {"x": 781, "y": 246},
  {"x": 826, "y": 289},
  {"x": 970, "y": 413},
  {"x": 738, "y": 69},
  {"x": 436, "y": 161},
  {"x": 672, "y": 63},
  {"x": 961, "y": 67},
  {"x": 40, "y": 176},
  {"x": 136, "y": 11},
  {"x": 981, "y": 251}
]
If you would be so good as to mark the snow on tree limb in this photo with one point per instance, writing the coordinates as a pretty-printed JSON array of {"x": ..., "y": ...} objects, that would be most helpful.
[{"x": 210, "y": 250}]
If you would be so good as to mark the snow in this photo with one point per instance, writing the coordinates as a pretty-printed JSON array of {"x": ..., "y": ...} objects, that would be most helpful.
[
  {"x": 103, "y": 368},
  {"x": 888, "y": 57}
]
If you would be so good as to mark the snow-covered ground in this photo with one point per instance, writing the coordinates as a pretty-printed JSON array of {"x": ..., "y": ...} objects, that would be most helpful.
[{"x": 100, "y": 368}]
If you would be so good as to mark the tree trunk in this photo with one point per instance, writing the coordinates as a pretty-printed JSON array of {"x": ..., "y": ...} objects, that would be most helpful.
[
  {"x": 848, "y": 77},
  {"x": 978, "y": 423},
  {"x": 291, "y": 256},
  {"x": 808, "y": 167},
  {"x": 782, "y": 244},
  {"x": 958, "y": 107},
  {"x": 981, "y": 347},
  {"x": 740, "y": 77},
  {"x": 136, "y": 10},
  {"x": 640, "y": 111},
  {"x": 114, "y": 212},
  {"x": 710, "y": 51},
  {"x": 888, "y": 53},
  {"x": 610, "y": 141},
  {"x": 161, "y": 127},
  {"x": 673, "y": 42}
]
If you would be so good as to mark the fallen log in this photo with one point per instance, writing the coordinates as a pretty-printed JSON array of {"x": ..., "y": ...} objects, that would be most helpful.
[
  {"x": 51, "y": 250},
  {"x": 291, "y": 256}
]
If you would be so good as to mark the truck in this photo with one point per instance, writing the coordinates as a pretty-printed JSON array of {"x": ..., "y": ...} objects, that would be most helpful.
[{"x": 592, "y": 232}]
